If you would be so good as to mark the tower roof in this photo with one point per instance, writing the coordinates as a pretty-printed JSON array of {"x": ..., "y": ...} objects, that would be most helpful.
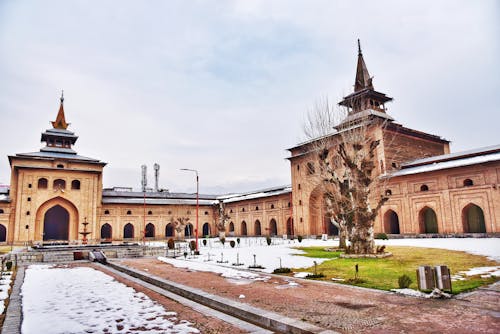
[
  {"x": 363, "y": 79},
  {"x": 60, "y": 122}
]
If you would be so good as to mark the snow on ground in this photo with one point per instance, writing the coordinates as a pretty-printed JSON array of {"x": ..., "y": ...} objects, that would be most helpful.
[
  {"x": 282, "y": 250},
  {"x": 5, "y": 281},
  {"x": 85, "y": 300}
]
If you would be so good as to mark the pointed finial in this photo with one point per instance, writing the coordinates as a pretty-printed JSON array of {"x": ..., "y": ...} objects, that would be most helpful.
[
  {"x": 62, "y": 95},
  {"x": 359, "y": 47}
]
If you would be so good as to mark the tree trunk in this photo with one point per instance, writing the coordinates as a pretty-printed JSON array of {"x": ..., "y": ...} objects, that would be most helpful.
[
  {"x": 362, "y": 241},
  {"x": 342, "y": 237},
  {"x": 222, "y": 234}
]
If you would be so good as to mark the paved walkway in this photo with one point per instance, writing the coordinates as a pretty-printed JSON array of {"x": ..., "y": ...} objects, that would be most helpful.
[{"x": 14, "y": 315}]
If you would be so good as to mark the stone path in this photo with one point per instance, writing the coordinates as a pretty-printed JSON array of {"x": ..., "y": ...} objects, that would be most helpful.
[{"x": 13, "y": 316}]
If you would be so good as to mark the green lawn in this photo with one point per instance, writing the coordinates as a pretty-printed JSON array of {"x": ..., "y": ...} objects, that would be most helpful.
[{"x": 384, "y": 273}]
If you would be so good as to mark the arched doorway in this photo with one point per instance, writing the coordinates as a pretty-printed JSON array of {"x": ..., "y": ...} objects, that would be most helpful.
[
  {"x": 273, "y": 228},
  {"x": 128, "y": 231},
  {"x": 257, "y": 229},
  {"x": 289, "y": 226},
  {"x": 244, "y": 228},
  {"x": 428, "y": 221},
  {"x": 473, "y": 219},
  {"x": 3, "y": 233},
  {"x": 106, "y": 231},
  {"x": 391, "y": 222},
  {"x": 318, "y": 222},
  {"x": 150, "y": 231},
  {"x": 188, "y": 230},
  {"x": 56, "y": 224},
  {"x": 332, "y": 229},
  {"x": 169, "y": 230},
  {"x": 231, "y": 227},
  {"x": 206, "y": 229}
]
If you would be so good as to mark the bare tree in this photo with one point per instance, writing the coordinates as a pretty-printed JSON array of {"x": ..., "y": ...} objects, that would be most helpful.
[
  {"x": 345, "y": 148},
  {"x": 223, "y": 218},
  {"x": 179, "y": 224}
]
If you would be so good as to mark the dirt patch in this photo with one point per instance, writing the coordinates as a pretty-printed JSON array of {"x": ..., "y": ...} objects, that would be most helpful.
[{"x": 339, "y": 307}]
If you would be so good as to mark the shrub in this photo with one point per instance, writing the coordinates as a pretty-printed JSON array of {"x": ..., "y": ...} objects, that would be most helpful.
[
  {"x": 282, "y": 270},
  {"x": 404, "y": 281},
  {"x": 170, "y": 243},
  {"x": 238, "y": 240},
  {"x": 232, "y": 243},
  {"x": 192, "y": 245},
  {"x": 268, "y": 240},
  {"x": 222, "y": 241},
  {"x": 381, "y": 236},
  {"x": 299, "y": 238},
  {"x": 311, "y": 276},
  {"x": 204, "y": 242},
  {"x": 8, "y": 264}
]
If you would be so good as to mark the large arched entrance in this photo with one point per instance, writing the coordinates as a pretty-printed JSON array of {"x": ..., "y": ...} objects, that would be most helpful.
[
  {"x": 128, "y": 231},
  {"x": 391, "y": 222},
  {"x": 56, "y": 224},
  {"x": 428, "y": 221},
  {"x": 273, "y": 228},
  {"x": 3, "y": 233},
  {"x": 473, "y": 219},
  {"x": 317, "y": 213}
]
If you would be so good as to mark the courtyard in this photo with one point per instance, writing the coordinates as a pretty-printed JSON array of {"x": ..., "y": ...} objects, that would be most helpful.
[{"x": 83, "y": 297}]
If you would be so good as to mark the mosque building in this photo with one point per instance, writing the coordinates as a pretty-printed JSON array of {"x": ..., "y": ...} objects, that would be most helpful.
[{"x": 55, "y": 193}]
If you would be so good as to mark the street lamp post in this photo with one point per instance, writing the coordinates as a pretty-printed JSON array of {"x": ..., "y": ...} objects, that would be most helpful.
[{"x": 197, "y": 203}]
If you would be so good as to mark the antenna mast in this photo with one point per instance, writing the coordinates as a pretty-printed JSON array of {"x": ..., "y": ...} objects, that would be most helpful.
[
  {"x": 156, "y": 167},
  {"x": 144, "y": 181}
]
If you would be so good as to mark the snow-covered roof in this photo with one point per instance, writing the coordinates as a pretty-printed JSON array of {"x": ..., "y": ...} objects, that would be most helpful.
[
  {"x": 55, "y": 155},
  {"x": 268, "y": 192},
  {"x": 115, "y": 196},
  {"x": 435, "y": 163},
  {"x": 155, "y": 201}
]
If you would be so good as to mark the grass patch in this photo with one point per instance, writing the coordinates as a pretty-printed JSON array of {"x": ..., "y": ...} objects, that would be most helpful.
[{"x": 383, "y": 273}]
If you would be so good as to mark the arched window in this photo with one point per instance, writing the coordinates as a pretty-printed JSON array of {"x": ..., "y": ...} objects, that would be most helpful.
[
  {"x": 428, "y": 221},
  {"x": 424, "y": 187},
  {"x": 3, "y": 233},
  {"x": 1, "y": 210},
  {"x": 60, "y": 166},
  {"x": 150, "y": 231},
  {"x": 128, "y": 231},
  {"x": 231, "y": 227},
  {"x": 272, "y": 206},
  {"x": 59, "y": 184},
  {"x": 169, "y": 230},
  {"x": 256, "y": 208},
  {"x": 242, "y": 209},
  {"x": 273, "y": 228},
  {"x": 106, "y": 231},
  {"x": 257, "y": 228},
  {"x": 206, "y": 213},
  {"x": 42, "y": 183},
  {"x": 129, "y": 212},
  {"x": 75, "y": 185},
  {"x": 391, "y": 222},
  {"x": 150, "y": 212},
  {"x": 244, "y": 228},
  {"x": 468, "y": 183},
  {"x": 169, "y": 212},
  {"x": 388, "y": 192},
  {"x": 188, "y": 230},
  {"x": 106, "y": 212},
  {"x": 206, "y": 229},
  {"x": 473, "y": 219}
]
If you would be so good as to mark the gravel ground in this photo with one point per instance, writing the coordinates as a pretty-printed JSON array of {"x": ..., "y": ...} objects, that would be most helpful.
[{"x": 343, "y": 308}]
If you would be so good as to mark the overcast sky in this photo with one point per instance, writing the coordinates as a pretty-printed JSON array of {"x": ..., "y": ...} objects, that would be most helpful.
[{"x": 223, "y": 86}]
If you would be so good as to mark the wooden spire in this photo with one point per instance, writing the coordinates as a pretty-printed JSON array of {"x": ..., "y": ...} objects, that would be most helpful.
[
  {"x": 60, "y": 122},
  {"x": 363, "y": 79}
]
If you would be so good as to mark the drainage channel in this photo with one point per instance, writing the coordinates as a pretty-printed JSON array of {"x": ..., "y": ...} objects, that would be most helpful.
[{"x": 257, "y": 320}]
